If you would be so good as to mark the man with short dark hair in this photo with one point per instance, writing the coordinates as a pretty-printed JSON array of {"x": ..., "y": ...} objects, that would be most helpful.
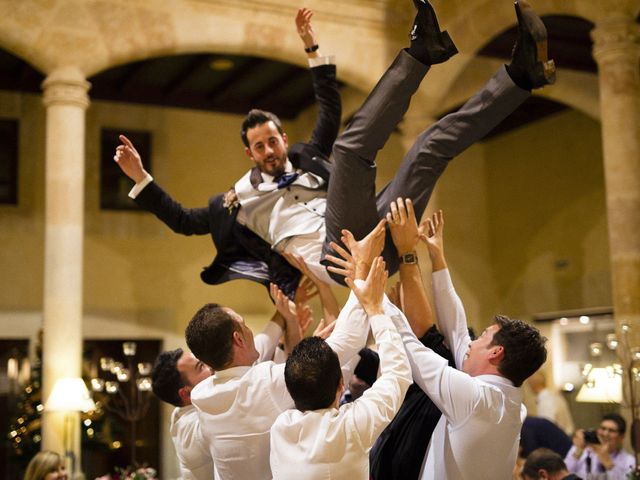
[
  {"x": 545, "y": 464},
  {"x": 318, "y": 439},
  {"x": 175, "y": 373},
  {"x": 238, "y": 405},
  {"x": 603, "y": 456},
  {"x": 482, "y": 411},
  {"x": 295, "y": 201}
]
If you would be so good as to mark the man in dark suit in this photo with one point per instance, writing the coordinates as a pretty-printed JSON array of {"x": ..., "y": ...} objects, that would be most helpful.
[{"x": 295, "y": 201}]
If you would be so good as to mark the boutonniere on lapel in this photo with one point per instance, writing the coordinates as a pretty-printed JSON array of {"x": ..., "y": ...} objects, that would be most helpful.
[{"x": 230, "y": 200}]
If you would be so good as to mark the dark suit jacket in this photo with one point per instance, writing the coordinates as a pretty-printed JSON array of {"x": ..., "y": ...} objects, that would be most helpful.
[{"x": 240, "y": 252}]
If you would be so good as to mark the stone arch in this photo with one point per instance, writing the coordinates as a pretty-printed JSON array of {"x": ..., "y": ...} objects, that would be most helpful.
[{"x": 365, "y": 37}]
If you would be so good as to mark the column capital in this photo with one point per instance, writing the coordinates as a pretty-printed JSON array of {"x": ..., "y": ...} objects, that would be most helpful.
[
  {"x": 616, "y": 38},
  {"x": 66, "y": 86}
]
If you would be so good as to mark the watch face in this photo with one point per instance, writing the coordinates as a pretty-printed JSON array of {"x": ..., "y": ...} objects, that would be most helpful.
[{"x": 409, "y": 258}]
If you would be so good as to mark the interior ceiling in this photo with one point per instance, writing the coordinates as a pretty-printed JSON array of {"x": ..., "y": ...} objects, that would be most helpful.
[{"x": 235, "y": 84}]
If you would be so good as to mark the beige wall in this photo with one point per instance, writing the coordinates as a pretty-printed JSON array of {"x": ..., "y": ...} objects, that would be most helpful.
[{"x": 526, "y": 221}]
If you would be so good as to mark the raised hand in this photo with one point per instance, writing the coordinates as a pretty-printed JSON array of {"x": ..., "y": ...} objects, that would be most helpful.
[
  {"x": 370, "y": 295},
  {"x": 303, "y": 25},
  {"x": 403, "y": 226},
  {"x": 329, "y": 302},
  {"x": 285, "y": 307},
  {"x": 306, "y": 291},
  {"x": 323, "y": 330},
  {"x": 129, "y": 161},
  {"x": 365, "y": 250},
  {"x": 433, "y": 237},
  {"x": 346, "y": 265},
  {"x": 304, "y": 314}
]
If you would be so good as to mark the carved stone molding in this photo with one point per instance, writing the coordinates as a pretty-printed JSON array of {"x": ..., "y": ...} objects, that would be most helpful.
[{"x": 66, "y": 86}]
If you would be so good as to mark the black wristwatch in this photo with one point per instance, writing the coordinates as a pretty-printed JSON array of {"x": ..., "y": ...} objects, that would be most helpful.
[{"x": 409, "y": 258}]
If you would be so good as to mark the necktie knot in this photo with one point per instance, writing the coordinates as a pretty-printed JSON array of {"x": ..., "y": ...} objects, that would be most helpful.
[{"x": 286, "y": 179}]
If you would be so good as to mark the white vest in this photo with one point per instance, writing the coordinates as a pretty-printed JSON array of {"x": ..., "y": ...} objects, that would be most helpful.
[{"x": 277, "y": 214}]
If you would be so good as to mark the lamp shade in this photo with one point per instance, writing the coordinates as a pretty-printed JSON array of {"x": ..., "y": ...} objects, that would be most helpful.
[
  {"x": 602, "y": 386},
  {"x": 69, "y": 395}
]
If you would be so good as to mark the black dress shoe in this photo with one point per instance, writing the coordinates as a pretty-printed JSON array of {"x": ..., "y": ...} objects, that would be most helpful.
[
  {"x": 530, "y": 67},
  {"x": 428, "y": 44}
]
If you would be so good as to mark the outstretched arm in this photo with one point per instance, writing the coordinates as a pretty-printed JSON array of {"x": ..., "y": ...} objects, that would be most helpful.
[
  {"x": 431, "y": 233},
  {"x": 287, "y": 310},
  {"x": 307, "y": 35},
  {"x": 452, "y": 318},
  {"x": 379, "y": 404},
  {"x": 148, "y": 195},
  {"x": 325, "y": 86},
  {"x": 406, "y": 235}
]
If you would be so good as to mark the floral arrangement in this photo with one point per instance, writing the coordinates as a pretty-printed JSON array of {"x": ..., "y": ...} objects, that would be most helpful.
[{"x": 131, "y": 473}]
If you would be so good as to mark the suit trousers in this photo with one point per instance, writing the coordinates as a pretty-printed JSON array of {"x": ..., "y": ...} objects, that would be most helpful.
[{"x": 351, "y": 199}]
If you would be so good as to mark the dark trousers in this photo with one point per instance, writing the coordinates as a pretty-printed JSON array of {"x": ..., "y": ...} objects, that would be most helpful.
[{"x": 352, "y": 202}]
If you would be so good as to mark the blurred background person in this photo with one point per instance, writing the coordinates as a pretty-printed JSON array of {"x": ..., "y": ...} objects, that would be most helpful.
[
  {"x": 550, "y": 403},
  {"x": 46, "y": 465}
]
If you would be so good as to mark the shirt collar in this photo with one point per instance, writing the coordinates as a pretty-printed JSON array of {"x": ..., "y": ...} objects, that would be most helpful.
[{"x": 229, "y": 373}]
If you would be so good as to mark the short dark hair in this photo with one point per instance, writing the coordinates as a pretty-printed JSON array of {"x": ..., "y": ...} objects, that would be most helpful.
[
  {"x": 209, "y": 336},
  {"x": 312, "y": 374},
  {"x": 543, "y": 459},
  {"x": 367, "y": 367},
  {"x": 165, "y": 378},
  {"x": 258, "y": 117},
  {"x": 524, "y": 350},
  {"x": 618, "y": 420}
]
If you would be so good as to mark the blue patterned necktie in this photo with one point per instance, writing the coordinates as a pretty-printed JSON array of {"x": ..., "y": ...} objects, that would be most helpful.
[{"x": 286, "y": 179}]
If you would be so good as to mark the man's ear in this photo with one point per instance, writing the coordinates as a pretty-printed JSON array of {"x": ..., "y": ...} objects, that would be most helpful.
[
  {"x": 285, "y": 139},
  {"x": 496, "y": 354},
  {"x": 238, "y": 338},
  {"x": 543, "y": 474},
  {"x": 247, "y": 151},
  {"x": 185, "y": 395}
]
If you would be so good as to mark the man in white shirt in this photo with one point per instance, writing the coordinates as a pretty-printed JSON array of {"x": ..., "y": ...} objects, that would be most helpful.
[
  {"x": 320, "y": 440},
  {"x": 174, "y": 375},
  {"x": 482, "y": 411},
  {"x": 239, "y": 403},
  {"x": 551, "y": 404}
]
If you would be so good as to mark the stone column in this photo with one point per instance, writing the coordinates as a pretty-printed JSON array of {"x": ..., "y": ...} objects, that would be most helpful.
[
  {"x": 66, "y": 99},
  {"x": 617, "y": 52}
]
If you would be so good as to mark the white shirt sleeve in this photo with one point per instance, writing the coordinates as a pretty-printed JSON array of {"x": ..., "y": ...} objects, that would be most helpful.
[
  {"x": 138, "y": 187},
  {"x": 372, "y": 412},
  {"x": 452, "y": 319},
  {"x": 350, "y": 333},
  {"x": 267, "y": 341},
  {"x": 452, "y": 391}
]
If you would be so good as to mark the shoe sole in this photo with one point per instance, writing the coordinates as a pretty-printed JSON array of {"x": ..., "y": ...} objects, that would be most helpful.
[{"x": 535, "y": 27}]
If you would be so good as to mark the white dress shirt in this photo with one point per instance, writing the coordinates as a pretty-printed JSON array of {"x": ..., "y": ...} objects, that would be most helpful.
[
  {"x": 478, "y": 433},
  {"x": 552, "y": 406},
  {"x": 238, "y": 405},
  {"x": 334, "y": 443},
  {"x": 192, "y": 450}
]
